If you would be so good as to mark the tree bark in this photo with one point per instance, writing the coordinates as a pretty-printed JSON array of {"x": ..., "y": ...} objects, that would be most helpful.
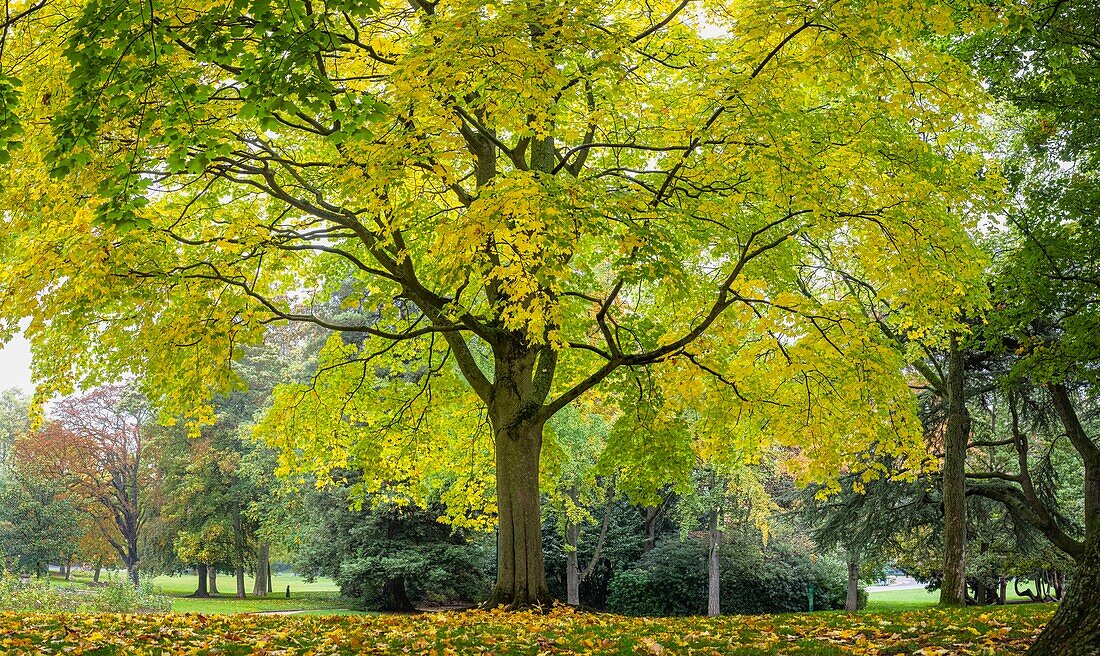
[
  {"x": 1075, "y": 628},
  {"x": 521, "y": 382},
  {"x": 714, "y": 538},
  {"x": 213, "y": 579},
  {"x": 851, "y": 602},
  {"x": 238, "y": 544},
  {"x": 203, "y": 591},
  {"x": 521, "y": 577},
  {"x": 395, "y": 597},
  {"x": 263, "y": 565},
  {"x": 572, "y": 567},
  {"x": 652, "y": 514},
  {"x": 132, "y": 570},
  {"x": 953, "y": 585}
]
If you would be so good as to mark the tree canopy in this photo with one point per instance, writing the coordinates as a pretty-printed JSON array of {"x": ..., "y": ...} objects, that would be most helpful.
[{"x": 502, "y": 208}]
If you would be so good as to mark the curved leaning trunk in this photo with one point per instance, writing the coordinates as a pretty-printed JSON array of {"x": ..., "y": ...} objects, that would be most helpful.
[
  {"x": 1075, "y": 628},
  {"x": 521, "y": 578}
]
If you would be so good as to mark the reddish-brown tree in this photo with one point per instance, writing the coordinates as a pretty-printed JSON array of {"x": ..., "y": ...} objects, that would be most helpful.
[{"x": 97, "y": 443}]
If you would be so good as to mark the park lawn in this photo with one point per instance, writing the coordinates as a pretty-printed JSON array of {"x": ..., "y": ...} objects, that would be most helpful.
[
  {"x": 319, "y": 596},
  {"x": 987, "y": 631},
  {"x": 899, "y": 600},
  {"x": 319, "y": 602}
]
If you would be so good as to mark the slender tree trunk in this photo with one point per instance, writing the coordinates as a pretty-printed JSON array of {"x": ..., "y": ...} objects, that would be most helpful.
[
  {"x": 652, "y": 513},
  {"x": 953, "y": 585},
  {"x": 851, "y": 602},
  {"x": 213, "y": 579},
  {"x": 521, "y": 577},
  {"x": 572, "y": 567},
  {"x": 238, "y": 544},
  {"x": 203, "y": 592},
  {"x": 714, "y": 538},
  {"x": 98, "y": 569},
  {"x": 269, "y": 584},
  {"x": 263, "y": 565}
]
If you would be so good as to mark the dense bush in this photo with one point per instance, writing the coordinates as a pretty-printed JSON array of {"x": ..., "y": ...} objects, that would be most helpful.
[
  {"x": 118, "y": 596},
  {"x": 672, "y": 579},
  {"x": 388, "y": 558}
]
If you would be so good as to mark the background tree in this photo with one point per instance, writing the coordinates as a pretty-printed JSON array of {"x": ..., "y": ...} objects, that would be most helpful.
[
  {"x": 14, "y": 421},
  {"x": 97, "y": 446},
  {"x": 38, "y": 524},
  {"x": 1046, "y": 63}
]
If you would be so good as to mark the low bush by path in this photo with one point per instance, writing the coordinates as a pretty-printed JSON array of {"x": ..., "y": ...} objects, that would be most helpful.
[{"x": 985, "y": 631}]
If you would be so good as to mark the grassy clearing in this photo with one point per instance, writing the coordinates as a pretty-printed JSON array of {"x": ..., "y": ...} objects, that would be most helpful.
[
  {"x": 973, "y": 631},
  {"x": 900, "y": 600},
  {"x": 321, "y": 596}
]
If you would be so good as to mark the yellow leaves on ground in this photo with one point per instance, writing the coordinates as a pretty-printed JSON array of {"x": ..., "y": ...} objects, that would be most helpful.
[{"x": 562, "y": 631}]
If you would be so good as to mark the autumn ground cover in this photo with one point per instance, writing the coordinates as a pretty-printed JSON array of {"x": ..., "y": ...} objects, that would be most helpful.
[{"x": 1004, "y": 630}]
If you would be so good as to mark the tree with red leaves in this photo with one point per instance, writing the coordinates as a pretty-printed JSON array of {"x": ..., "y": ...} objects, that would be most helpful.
[{"x": 97, "y": 444}]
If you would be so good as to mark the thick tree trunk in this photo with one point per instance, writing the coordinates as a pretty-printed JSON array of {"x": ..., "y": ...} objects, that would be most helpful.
[
  {"x": 263, "y": 566},
  {"x": 953, "y": 585},
  {"x": 203, "y": 591},
  {"x": 521, "y": 578},
  {"x": 714, "y": 538},
  {"x": 240, "y": 582},
  {"x": 1075, "y": 628},
  {"x": 851, "y": 602},
  {"x": 213, "y": 579},
  {"x": 395, "y": 597},
  {"x": 98, "y": 570},
  {"x": 572, "y": 567}
]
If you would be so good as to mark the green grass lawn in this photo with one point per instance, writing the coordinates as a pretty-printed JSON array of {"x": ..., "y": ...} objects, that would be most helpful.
[
  {"x": 320, "y": 596},
  {"x": 901, "y": 600}
]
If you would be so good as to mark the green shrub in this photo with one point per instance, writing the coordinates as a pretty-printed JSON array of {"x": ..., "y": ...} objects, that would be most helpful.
[
  {"x": 672, "y": 580},
  {"x": 118, "y": 596}
]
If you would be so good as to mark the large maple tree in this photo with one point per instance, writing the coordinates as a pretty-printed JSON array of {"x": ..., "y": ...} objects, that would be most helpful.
[{"x": 519, "y": 204}]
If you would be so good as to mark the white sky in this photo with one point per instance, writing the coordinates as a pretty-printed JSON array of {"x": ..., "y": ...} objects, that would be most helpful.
[{"x": 15, "y": 364}]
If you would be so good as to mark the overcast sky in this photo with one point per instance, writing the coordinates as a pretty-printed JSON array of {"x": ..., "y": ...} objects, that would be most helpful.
[{"x": 15, "y": 364}]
